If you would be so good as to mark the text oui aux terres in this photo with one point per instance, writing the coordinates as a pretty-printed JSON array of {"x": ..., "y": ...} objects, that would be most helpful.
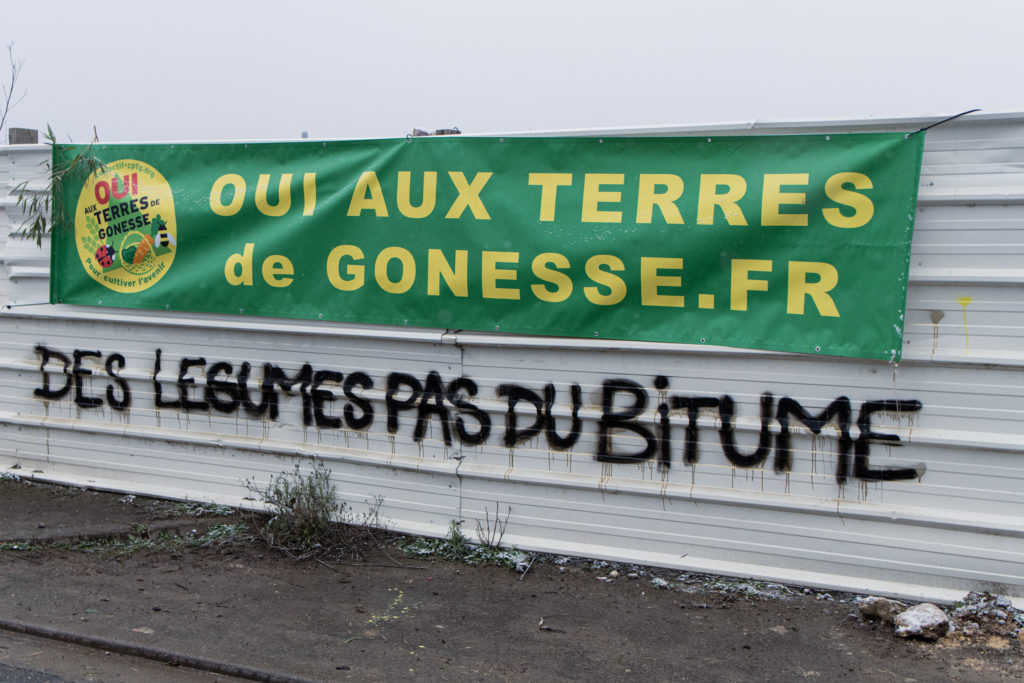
[
  {"x": 719, "y": 195},
  {"x": 333, "y": 400},
  {"x": 395, "y": 268}
]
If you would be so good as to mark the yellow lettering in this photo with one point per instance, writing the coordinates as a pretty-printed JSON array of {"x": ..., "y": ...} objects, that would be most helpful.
[
  {"x": 594, "y": 196},
  {"x": 491, "y": 274},
  {"x": 284, "y": 195},
  {"x": 544, "y": 268},
  {"x": 217, "y": 204},
  {"x": 429, "y": 195},
  {"x": 549, "y": 183},
  {"x": 355, "y": 272},
  {"x": 665, "y": 201},
  {"x": 651, "y": 281},
  {"x": 240, "y": 262},
  {"x": 799, "y": 287},
  {"x": 595, "y": 270},
  {"x": 368, "y": 196},
  {"x": 469, "y": 195},
  {"x": 308, "y": 193},
  {"x": 456, "y": 278},
  {"x": 708, "y": 198},
  {"x": 277, "y": 269},
  {"x": 741, "y": 282},
  {"x": 773, "y": 197},
  {"x": 380, "y": 270},
  {"x": 863, "y": 208}
]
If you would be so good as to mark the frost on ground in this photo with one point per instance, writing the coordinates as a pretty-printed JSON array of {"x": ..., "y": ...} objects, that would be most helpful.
[
  {"x": 986, "y": 614},
  {"x": 978, "y": 614},
  {"x": 668, "y": 579}
]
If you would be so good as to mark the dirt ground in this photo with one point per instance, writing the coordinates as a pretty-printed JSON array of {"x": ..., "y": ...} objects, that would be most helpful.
[{"x": 389, "y": 616}]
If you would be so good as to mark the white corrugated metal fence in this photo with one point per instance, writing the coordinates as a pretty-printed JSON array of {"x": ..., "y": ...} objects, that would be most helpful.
[{"x": 766, "y": 464}]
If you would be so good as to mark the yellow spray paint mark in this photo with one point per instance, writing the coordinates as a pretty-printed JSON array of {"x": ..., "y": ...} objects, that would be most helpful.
[{"x": 963, "y": 301}]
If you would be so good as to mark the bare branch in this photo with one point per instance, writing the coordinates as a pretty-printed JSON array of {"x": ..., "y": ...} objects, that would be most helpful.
[{"x": 7, "y": 98}]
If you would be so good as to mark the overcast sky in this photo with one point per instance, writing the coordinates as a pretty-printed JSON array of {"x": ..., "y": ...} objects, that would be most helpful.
[{"x": 215, "y": 70}]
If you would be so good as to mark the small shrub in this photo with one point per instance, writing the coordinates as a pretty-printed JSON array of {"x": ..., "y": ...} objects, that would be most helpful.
[
  {"x": 491, "y": 533},
  {"x": 302, "y": 510}
]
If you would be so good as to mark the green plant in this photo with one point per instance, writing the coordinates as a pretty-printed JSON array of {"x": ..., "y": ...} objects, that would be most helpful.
[
  {"x": 217, "y": 536},
  {"x": 303, "y": 507},
  {"x": 191, "y": 508},
  {"x": 46, "y": 209},
  {"x": 20, "y": 546},
  {"x": 456, "y": 547}
]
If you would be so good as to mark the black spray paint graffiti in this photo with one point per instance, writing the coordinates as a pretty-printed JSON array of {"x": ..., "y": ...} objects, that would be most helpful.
[{"x": 624, "y": 404}]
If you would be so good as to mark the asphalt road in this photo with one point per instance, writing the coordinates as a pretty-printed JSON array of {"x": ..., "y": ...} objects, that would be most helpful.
[{"x": 14, "y": 674}]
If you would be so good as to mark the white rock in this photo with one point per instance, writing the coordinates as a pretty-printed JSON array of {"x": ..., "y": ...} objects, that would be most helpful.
[
  {"x": 880, "y": 608},
  {"x": 924, "y": 621}
]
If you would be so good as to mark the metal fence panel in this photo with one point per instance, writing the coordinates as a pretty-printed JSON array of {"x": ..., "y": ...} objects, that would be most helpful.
[{"x": 445, "y": 425}]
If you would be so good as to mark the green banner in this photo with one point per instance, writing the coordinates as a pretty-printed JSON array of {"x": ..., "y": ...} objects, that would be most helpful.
[{"x": 791, "y": 243}]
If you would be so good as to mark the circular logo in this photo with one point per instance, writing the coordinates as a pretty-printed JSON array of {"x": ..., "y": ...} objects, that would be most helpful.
[{"x": 124, "y": 226}]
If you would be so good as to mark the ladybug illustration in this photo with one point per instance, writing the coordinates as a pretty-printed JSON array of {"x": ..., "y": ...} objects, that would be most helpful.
[{"x": 106, "y": 255}]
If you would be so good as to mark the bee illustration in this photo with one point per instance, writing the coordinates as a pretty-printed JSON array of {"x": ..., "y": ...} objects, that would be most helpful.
[
  {"x": 163, "y": 235},
  {"x": 105, "y": 255}
]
